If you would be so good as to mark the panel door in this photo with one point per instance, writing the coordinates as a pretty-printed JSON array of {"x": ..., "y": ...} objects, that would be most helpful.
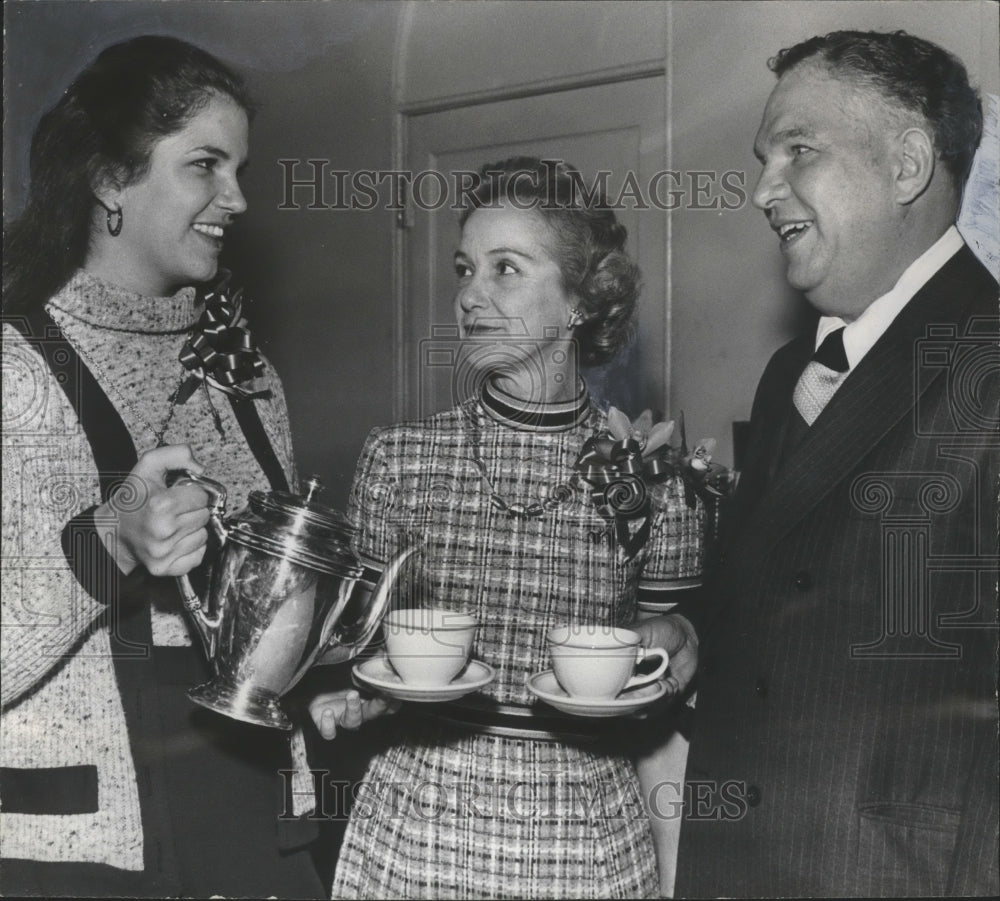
[{"x": 619, "y": 129}]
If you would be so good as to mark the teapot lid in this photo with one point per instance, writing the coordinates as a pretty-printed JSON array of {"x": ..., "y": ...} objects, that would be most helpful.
[{"x": 300, "y": 529}]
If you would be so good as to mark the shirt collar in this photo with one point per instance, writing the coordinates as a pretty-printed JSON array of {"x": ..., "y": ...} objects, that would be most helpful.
[{"x": 861, "y": 334}]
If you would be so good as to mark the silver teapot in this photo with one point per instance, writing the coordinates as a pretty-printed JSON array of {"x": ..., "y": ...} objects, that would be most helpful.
[{"x": 285, "y": 590}]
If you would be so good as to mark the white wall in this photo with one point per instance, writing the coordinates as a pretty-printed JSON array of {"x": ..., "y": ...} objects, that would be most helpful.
[{"x": 450, "y": 49}]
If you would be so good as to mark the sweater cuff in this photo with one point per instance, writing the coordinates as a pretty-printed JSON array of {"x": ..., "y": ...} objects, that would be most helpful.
[
  {"x": 683, "y": 597},
  {"x": 92, "y": 564}
]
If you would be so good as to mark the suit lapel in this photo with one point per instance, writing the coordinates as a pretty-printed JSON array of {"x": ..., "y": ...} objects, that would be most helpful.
[
  {"x": 770, "y": 415},
  {"x": 872, "y": 400}
]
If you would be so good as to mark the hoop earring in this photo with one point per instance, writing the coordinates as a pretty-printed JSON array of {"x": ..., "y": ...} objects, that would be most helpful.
[
  {"x": 115, "y": 220},
  {"x": 574, "y": 318}
]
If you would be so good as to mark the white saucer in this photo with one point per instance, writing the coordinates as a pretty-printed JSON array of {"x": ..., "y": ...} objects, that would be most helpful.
[
  {"x": 545, "y": 686},
  {"x": 377, "y": 673}
]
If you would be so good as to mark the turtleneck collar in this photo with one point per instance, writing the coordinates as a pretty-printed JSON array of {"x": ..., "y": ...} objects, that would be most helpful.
[
  {"x": 533, "y": 416},
  {"x": 91, "y": 300}
]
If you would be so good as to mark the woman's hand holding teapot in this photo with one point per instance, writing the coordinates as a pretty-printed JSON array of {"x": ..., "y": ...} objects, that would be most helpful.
[{"x": 159, "y": 527}]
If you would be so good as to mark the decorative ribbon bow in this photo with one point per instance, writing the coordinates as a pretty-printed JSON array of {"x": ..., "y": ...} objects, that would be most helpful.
[
  {"x": 220, "y": 349},
  {"x": 621, "y": 466}
]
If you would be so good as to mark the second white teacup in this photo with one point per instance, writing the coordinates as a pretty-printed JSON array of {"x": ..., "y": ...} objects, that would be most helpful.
[
  {"x": 595, "y": 661},
  {"x": 428, "y": 646}
]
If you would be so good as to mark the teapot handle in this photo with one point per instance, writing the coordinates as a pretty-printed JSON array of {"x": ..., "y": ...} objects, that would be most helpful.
[
  {"x": 217, "y": 494},
  {"x": 206, "y": 625}
]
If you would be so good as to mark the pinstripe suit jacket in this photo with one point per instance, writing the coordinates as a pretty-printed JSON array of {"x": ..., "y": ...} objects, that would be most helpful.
[{"x": 845, "y": 741}]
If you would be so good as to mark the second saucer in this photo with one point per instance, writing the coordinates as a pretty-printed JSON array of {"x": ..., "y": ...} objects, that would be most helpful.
[{"x": 545, "y": 686}]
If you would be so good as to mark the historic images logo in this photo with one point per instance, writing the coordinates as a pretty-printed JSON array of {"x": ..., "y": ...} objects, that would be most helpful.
[
  {"x": 928, "y": 596},
  {"x": 311, "y": 184}
]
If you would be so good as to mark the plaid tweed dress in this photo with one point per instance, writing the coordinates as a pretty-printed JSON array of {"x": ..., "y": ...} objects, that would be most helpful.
[{"x": 451, "y": 813}]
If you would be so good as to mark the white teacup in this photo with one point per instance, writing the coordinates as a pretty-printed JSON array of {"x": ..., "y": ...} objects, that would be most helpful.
[
  {"x": 428, "y": 646},
  {"x": 594, "y": 661}
]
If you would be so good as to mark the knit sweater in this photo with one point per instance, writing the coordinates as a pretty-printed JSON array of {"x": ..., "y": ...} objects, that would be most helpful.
[{"x": 61, "y": 701}]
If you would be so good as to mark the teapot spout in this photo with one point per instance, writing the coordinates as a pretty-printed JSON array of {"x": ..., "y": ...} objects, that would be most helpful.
[
  {"x": 350, "y": 635},
  {"x": 387, "y": 581}
]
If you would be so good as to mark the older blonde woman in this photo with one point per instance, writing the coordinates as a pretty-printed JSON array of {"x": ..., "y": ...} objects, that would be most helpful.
[{"x": 523, "y": 804}]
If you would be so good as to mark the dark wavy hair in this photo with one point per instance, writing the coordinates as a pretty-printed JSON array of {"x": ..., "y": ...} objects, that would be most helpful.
[
  {"x": 590, "y": 246},
  {"x": 911, "y": 72},
  {"x": 104, "y": 126}
]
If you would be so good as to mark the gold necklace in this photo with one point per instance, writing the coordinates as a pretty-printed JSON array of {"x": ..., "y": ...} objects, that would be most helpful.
[
  {"x": 561, "y": 492},
  {"x": 157, "y": 433}
]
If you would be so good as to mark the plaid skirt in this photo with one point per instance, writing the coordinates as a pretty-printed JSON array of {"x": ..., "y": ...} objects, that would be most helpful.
[{"x": 449, "y": 814}]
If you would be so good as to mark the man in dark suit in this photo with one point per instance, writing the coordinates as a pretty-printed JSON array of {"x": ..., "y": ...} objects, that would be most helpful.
[{"x": 845, "y": 738}]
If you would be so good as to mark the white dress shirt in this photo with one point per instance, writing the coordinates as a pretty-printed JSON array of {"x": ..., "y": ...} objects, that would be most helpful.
[{"x": 861, "y": 334}]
